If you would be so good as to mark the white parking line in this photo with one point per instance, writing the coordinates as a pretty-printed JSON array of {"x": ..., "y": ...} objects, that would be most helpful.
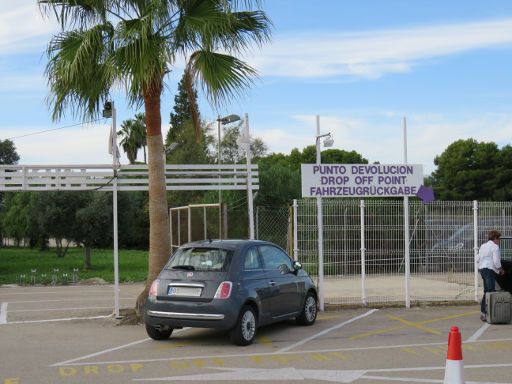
[
  {"x": 54, "y": 320},
  {"x": 326, "y": 331},
  {"x": 74, "y": 299},
  {"x": 478, "y": 333},
  {"x": 100, "y": 352},
  {"x": 60, "y": 309},
  {"x": 5, "y": 293},
  {"x": 294, "y": 374},
  {"x": 68, "y": 362},
  {"x": 3, "y": 313},
  {"x": 240, "y": 355}
]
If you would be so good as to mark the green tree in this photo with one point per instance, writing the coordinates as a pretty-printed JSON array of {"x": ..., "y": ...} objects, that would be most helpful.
[
  {"x": 230, "y": 152},
  {"x": 19, "y": 219},
  {"x": 183, "y": 145},
  {"x": 467, "y": 170},
  {"x": 279, "y": 184},
  {"x": 94, "y": 225},
  {"x": 184, "y": 104},
  {"x": 279, "y": 174},
  {"x": 136, "y": 43},
  {"x": 503, "y": 190},
  {"x": 57, "y": 216},
  {"x": 8, "y": 154}
]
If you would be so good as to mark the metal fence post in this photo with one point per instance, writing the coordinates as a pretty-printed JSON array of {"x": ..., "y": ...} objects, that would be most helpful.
[
  {"x": 257, "y": 226},
  {"x": 319, "y": 220},
  {"x": 475, "y": 244},
  {"x": 363, "y": 256},
  {"x": 407, "y": 254},
  {"x": 295, "y": 238}
]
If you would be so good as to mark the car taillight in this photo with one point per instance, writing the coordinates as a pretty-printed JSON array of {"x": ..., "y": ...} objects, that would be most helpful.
[
  {"x": 153, "y": 291},
  {"x": 224, "y": 290}
]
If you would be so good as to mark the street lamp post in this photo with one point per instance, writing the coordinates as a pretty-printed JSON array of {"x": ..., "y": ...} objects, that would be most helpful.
[
  {"x": 328, "y": 142},
  {"x": 222, "y": 120},
  {"x": 109, "y": 111}
]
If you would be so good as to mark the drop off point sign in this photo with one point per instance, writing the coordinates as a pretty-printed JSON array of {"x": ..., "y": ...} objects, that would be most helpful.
[{"x": 361, "y": 180}]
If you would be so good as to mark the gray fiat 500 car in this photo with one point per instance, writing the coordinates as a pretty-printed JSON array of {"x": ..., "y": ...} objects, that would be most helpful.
[{"x": 233, "y": 285}]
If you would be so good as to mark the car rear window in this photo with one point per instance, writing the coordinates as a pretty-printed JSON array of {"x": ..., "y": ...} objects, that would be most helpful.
[{"x": 199, "y": 259}]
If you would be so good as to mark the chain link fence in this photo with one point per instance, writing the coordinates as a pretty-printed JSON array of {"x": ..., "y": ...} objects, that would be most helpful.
[
  {"x": 364, "y": 245},
  {"x": 364, "y": 248}
]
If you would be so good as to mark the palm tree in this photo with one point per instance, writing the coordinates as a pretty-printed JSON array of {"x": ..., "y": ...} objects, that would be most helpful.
[
  {"x": 133, "y": 44},
  {"x": 133, "y": 132},
  {"x": 128, "y": 142},
  {"x": 139, "y": 133}
]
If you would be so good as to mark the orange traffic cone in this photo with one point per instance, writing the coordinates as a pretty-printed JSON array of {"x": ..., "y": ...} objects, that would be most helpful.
[{"x": 454, "y": 372}]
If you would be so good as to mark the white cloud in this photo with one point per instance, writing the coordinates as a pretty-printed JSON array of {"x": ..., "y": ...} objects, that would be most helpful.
[
  {"x": 22, "y": 83},
  {"x": 77, "y": 145},
  {"x": 86, "y": 144},
  {"x": 23, "y": 28},
  {"x": 381, "y": 139},
  {"x": 374, "y": 53}
]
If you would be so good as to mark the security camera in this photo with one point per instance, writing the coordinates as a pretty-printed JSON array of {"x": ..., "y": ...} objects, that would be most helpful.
[{"x": 107, "y": 109}]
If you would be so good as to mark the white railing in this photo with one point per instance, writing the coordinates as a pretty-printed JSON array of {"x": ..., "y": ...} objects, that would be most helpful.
[{"x": 129, "y": 177}]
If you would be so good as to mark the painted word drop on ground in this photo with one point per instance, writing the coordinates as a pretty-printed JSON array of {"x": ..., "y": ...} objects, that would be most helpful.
[{"x": 361, "y": 180}]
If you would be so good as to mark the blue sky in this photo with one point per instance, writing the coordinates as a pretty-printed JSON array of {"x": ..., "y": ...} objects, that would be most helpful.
[{"x": 361, "y": 65}]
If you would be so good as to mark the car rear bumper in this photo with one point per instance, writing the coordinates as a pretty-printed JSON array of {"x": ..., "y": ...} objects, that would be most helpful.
[
  {"x": 185, "y": 316},
  {"x": 218, "y": 314}
]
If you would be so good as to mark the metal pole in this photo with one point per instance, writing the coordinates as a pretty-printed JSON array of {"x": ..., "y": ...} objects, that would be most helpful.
[
  {"x": 475, "y": 245},
  {"x": 295, "y": 231},
  {"x": 363, "y": 256},
  {"x": 179, "y": 227},
  {"x": 257, "y": 226},
  {"x": 204, "y": 222},
  {"x": 170, "y": 229},
  {"x": 249, "y": 180},
  {"x": 407, "y": 255},
  {"x": 218, "y": 162},
  {"x": 319, "y": 220},
  {"x": 115, "y": 166},
  {"x": 189, "y": 224}
]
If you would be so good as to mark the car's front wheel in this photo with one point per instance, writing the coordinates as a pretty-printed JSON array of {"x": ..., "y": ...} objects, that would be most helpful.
[
  {"x": 244, "y": 331},
  {"x": 158, "y": 333},
  {"x": 309, "y": 311}
]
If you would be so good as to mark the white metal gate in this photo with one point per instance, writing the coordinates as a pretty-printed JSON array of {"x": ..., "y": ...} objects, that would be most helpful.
[{"x": 364, "y": 248}]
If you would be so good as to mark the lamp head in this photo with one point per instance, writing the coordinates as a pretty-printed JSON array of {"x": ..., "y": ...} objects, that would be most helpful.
[
  {"x": 228, "y": 119},
  {"x": 329, "y": 141},
  {"x": 171, "y": 147}
]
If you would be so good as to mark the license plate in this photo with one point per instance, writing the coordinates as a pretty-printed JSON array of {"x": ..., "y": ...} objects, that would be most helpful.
[{"x": 184, "y": 291}]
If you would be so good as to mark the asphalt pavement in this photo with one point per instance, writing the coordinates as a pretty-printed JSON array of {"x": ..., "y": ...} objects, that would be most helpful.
[{"x": 68, "y": 335}]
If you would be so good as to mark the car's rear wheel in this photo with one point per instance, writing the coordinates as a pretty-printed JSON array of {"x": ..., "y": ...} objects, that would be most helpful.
[
  {"x": 244, "y": 331},
  {"x": 158, "y": 333},
  {"x": 309, "y": 311}
]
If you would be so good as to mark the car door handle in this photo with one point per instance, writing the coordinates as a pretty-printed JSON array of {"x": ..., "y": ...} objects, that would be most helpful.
[{"x": 272, "y": 283}]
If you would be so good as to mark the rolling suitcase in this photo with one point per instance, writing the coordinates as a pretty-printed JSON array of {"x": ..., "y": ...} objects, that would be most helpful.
[{"x": 498, "y": 307}]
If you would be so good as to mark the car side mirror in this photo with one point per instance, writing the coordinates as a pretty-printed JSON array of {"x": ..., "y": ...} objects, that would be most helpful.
[{"x": 297, "y": 265}]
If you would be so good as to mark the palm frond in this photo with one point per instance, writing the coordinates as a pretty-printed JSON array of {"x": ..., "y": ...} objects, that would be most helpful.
[
  {"x": 211, "y": 24},
  {"x": 77, "y": 13},
  {"x": 75, "y": 58},
  {"x": 221, "y": 76}
]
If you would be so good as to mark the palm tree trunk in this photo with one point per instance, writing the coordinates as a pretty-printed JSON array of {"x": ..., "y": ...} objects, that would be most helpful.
[{"x": 159, "y": 238}]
